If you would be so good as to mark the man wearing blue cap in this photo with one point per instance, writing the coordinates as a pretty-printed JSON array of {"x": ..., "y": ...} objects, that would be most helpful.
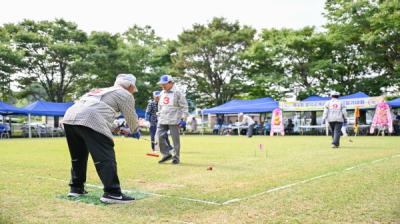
[
  {"x": 151, "y": 116},
  {"x": 172, "y": 108}
]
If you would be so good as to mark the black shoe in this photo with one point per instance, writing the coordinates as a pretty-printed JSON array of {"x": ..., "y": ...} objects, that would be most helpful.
[
  {"x": 166, "y": 158},
  {"x": 109, "y": 198},
  {"x": 175, "y": 161},
  {"x": 76, "y": 192}
]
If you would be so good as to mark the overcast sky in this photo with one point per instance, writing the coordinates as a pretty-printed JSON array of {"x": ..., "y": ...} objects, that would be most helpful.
[{"x": 167, "y": 17}]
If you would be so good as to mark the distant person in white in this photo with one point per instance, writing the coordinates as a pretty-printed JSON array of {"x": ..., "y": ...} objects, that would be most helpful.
[
  {"x": 193, "y": 125},
  {"x": 335, "y": 114},
  {"x": 246, "y": 120}
]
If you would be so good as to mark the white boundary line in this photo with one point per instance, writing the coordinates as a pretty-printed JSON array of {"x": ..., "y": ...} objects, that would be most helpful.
[
  {"x": 234, "y": 200},
  {"x": 308, "y": 180}
]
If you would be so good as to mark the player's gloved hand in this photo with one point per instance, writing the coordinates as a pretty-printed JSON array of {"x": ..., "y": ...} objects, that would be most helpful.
[
  {"x": 345, "y": 121},
  {"x": 323, "y": 121}
]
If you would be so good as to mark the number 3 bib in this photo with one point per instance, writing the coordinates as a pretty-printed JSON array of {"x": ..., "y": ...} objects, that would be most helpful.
[
  {"x": 335, "y": 106},
  {"x": 167, "y": 99}
]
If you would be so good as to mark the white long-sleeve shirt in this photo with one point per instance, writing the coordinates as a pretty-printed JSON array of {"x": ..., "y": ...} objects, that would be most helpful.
[
  {"x": 172, "y": 106},
  {"x": 334, "y": 111},
  {"x": 100, "y": 115},
  {"x": 247, "y": 120}
]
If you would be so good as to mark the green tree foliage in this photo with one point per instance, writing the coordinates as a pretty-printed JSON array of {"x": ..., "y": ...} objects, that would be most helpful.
[
  {"x": 208, "y": 58},
  {"x": 383, "y": 41},
  {"x": 103, "y": 62},
  {"x": 366, "y": 38},
  {"x": 289, "y": 61},
  {"x": 138, "y": 51},
  {"x": 358, "y": 51},
  {"x": 53, "y": 54},
  {"x": 10, "y": 63},
  {"x": 31, "y": 91},
  {"x": 146, "y": 56}
]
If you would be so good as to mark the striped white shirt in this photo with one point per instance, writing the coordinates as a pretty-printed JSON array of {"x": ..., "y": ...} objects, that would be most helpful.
[{"x": 100, "y": 116}]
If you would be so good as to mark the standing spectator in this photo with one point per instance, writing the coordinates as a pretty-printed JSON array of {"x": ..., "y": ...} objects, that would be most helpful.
[
  {"x": 289, "y": 127},
  {"x": 246, "y": 120},
  {"x": 220, "y": 122},
  {"x": 182, "y": 126},
  {"x": 2, "y": 130},
  {"x": 215, "y": 130},
  {"x": 396, "y": 123},
  {"x": 151, "y": 116},
  {"x": 267, "y": 127},
  {"x": 397, "y": 116},
  {"x": 193, "y": 125},
  {"x": 172, "y": 107},
  {"x": 335, "y": 114}
]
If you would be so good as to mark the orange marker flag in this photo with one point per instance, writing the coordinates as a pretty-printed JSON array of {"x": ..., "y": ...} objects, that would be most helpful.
[{"x": 356, "y": 117}]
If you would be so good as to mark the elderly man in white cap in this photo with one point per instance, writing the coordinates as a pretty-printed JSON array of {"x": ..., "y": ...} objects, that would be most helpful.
[
  {"x": 246, "y": 120},
  {"x": 335, "y": 114},
  {"x": 172, "y": 108},
  {"x": 88, "y": 127}
]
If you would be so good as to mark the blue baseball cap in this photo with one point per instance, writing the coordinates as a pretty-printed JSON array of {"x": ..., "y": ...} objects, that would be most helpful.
[
  {"x": 156, "y": 93},
  {"x": 164, "y": 79}
]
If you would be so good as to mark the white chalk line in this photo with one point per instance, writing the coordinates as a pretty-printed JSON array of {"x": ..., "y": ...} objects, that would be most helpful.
[
  {"x": 142, "y": 192},
  {"x": 307, "y": 180},
  {"x": 234, "y": 200},
  {"x": 182, "y": 222}
]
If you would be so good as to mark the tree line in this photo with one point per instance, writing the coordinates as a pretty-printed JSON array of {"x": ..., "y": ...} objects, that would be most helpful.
[{"x": 358, "y": 49}]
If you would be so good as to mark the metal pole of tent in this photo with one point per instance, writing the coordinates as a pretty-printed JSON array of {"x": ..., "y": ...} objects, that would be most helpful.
[
  {"x": 29, "y": 126},
  {"x": 238, "y": 125},
  {"x": 202, "y": 122},
  {"x": 9, "y": 124}
]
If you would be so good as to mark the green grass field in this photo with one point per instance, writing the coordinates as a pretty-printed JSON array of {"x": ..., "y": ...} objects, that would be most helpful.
[{"x": 298, "y": 180}]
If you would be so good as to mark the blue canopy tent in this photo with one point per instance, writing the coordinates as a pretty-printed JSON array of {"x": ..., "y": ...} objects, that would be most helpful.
[
  {"x": 321, "y": 98},
  {"x": 260, "y": 105},
  {"x": 43, "y": 108},
  {"x": 6, "y": 109},
  {"x": 244, "y": 106},
  {"x": 354, "y": 95},
  {"x": 315, "y": 98},
  {"x": 394, "y": 103}
]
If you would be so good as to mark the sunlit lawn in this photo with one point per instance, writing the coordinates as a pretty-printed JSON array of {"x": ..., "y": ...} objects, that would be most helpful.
[{"x": 297, "y": 179}]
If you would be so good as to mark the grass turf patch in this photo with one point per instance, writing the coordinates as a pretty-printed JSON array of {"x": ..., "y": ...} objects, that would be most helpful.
[
  {"x": 364, "y": 188},
  {"x": 94, "y": 194}
]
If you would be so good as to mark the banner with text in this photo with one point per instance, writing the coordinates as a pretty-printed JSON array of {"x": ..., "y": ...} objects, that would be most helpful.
[{"x": 362, "y": 103}]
